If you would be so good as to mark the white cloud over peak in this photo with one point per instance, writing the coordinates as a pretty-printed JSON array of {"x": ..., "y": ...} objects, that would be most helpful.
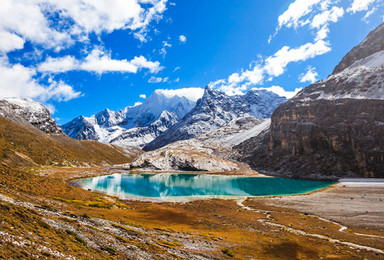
[
  {"x": 99, "y": 62},
  {"x": 183, "y": 38},
  {"x": 280, "y": 91},
  {"x": 143, "y": 96},
  {"x": 310, "y": 76},
  {"x": 190, "y": 93}
]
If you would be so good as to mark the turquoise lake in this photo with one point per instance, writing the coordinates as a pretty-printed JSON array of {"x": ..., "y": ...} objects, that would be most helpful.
[{"x": 181, "y": 187}]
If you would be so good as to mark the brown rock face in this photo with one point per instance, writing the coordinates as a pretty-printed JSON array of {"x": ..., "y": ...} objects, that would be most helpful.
[
  {"x": 349, "y": 132},
  {"x": 333, "y": 128}
]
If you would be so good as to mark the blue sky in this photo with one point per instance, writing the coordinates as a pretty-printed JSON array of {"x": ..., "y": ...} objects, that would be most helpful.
[{"x": 80, "y": 56}]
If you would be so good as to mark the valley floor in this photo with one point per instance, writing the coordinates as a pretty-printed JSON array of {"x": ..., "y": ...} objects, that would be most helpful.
[{"x": 58, "y": 220}]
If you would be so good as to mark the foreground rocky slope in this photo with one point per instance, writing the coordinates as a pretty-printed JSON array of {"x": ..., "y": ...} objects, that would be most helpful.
[
  {"x": 332, "y": 128},
  {"x": 214, "y": 110}
]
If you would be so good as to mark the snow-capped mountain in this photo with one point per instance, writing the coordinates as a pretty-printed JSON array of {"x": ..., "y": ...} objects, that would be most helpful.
[
  {"x": 31, "y": 111},
  {"x": 137, "y": 125},
  {"x": 215, "y": 109},
  {"x": 334, "y": 127}
]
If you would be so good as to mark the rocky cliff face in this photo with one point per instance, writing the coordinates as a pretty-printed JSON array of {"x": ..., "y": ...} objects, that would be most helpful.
[
  {"x": 214, "y": 110},
  {"x": 334, "y": 127},
  {"x": 31, "y": 111}
]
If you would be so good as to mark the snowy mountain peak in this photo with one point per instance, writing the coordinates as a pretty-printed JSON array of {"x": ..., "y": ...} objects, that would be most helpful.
[
  {"x": 136, "y": 125},
  {"x": 214, "y": 110},
  {"x": 31, "y": 111}
]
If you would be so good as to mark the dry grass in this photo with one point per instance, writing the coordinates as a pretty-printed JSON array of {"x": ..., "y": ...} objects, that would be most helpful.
[{"x": 28, "y": 146}]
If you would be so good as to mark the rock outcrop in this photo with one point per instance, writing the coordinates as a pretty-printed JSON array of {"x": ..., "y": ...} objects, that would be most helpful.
[
  {"x": 332, "y": 128},
  {"x": 208, "y": 152},
  {"x": 31, "y": 111}
]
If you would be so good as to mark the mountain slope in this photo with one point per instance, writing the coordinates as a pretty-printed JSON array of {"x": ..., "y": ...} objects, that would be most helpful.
[
  {"x": 332, "y": 128},
  {"x": 214, "y": 110},
  {"x": 134, "y": 126},
  {"x": 22, "y": 144}
]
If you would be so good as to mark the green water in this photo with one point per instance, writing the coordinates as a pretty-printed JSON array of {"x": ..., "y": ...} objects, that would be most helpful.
[{"x": 169, "y": 187}]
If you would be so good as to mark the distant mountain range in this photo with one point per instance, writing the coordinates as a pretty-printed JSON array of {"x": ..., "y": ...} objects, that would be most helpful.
[
  {"x": 214, "y": 110},
  {"x": 164, "y": 118},
  {"x": 136, "y": 126}
]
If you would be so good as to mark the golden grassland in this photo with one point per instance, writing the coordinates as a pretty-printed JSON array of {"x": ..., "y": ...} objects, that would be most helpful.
[
  {"x": 42, "y": 216},
  {"x": 28, "y": 146}
]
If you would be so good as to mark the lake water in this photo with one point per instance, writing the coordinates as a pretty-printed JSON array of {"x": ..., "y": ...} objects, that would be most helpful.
[{"x": 182, "y": 187}]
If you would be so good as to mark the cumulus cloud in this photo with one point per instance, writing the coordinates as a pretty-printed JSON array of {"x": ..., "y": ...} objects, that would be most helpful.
[
  {"x": 190, "y": 93},
  {"x": 182, "y": 38},
  {"x": 19, "y": 81},
  {"x": 56, "y": 25},
  {"x": 360, "y": 5},
  {"x": 99, "y": 62},
  {"x": 297, "y": 10},
  {"x": 276, "y": 64},
  {"x": 310, "y": 76},
  {"x": 30, "y": 20},
  {"x": 143, "y": 96},
  {"x": 281, "y": 91},
  {"x": 273, "y": 66}
]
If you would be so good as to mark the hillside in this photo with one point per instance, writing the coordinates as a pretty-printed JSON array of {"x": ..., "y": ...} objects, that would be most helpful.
[{"x": 25, "y": 145}]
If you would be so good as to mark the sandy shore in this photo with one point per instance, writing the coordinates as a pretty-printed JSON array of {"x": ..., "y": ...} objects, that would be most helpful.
[{"x": 352, "y": 202}]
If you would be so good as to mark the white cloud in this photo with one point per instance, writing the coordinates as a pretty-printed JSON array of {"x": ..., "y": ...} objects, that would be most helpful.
[
  {"x": 368, "y": 14},
  {"x": 183, "y": 38},
  {"x": 280, "y": 91},
  {"x": 276, "y": 64},
  {"x": 176, "y": 69},
  {"x": 143, "y": 96},
  {"x": 360, "y": 5},
  {"x": 10, "y": 41},
  {"x": 157, "y": 79},
  {"x": 295, "y": 11},
  {"x": 19, "y": 81},
  {"x": 137, "y": 104},
  {"x": 310, "y": 76},
  {"x": 273, "y": 66},
  {"x": 163, "y": 50},
  {"x": 30, "y": 20},
  {"x": 190, "y": 93},
  {"x": 99, "y": 62},
  {"x": 58, "y": 65}
]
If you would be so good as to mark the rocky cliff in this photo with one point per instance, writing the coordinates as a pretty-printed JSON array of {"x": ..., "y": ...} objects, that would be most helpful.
[
  {"x": 332, "y": 128},
  {"x": 19, "y": 109}
]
